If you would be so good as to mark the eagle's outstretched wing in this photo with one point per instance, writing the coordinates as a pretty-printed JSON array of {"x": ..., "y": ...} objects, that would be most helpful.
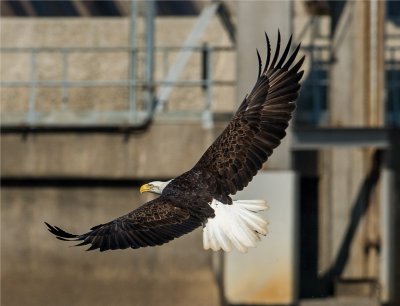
[
  {"x": 258, "y": 125},
  {"x": 154, "y": 223}
]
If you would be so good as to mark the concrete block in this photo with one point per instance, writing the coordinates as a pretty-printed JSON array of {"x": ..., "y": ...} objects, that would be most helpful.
[{"x": 267, "y": 274}]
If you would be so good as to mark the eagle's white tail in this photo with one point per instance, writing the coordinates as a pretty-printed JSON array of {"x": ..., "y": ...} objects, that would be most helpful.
[{"x": 237, "y": 224}]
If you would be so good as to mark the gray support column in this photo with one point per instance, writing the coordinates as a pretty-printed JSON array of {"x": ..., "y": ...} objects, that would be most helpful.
[
  {"x": 267, "y": 275},
  {"x": 255, "y": 17},
  {"x": 350, "y": 212}
]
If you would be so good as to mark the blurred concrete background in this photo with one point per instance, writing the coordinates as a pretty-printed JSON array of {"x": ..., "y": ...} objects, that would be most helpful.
[{"x": 98, "y": 97}]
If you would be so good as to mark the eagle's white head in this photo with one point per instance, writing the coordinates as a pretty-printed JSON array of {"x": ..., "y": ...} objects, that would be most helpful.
[{"x": 154, "y": 187}]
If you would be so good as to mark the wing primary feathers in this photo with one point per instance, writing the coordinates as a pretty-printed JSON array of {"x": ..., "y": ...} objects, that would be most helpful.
[
  {"x": 259, "y": 63},
  {"x": 154, "y": 223},
  {"x": 258, "y": 126},
  {"x": 276, "y": 55},
  {"x": 285, "y": 53},
  {"x": 292, "y": 57},
  {"x": 268, "y": 53},
  {"x": 298, "y": 65},
  {"x": 59, "y": 233}
]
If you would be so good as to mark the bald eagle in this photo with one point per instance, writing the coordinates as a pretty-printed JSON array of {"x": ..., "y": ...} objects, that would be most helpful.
[{"x": 202, "y": 195}]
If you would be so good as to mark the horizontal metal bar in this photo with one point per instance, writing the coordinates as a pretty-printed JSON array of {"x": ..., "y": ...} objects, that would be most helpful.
[
  {"x": 73, "y": 118},
  {"x": 105, "y": 83},
  {"x": 109, "y": 49},
  {"x": 157, "y": 48},
  {"x": 60, "y": 83},
  {"x": 324, "y": 138},
  {"x": 62, "y": 50},
  {"x": 15, "y": 120}
]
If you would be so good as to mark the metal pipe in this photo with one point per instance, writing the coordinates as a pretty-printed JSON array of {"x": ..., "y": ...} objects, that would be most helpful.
[
  {"x": 373, "y": 66},
  {"x": 207, "y": 112},
  {"x": 64, "y": 90},
  {"x": 105, "y": 83},
  {"x": 149, "y": 69},
  {"x": 132, "y": 56},
  {"x": 115, "y": 49},
  {"x": 33, "y": 86}
]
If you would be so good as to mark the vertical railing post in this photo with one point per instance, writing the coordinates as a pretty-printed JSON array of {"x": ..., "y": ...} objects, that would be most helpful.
[
  {"x": 395, "y": 87},
  {"x": 132, "y": 60},
  {"x": 33, "y": 88},
  {"x": 207, "y": 86},
  {"x": 314, "y": 80},
  {"x": 64, "y": 90},
  {"x": 165, "y": 65},
  {"x": 318, "y": 87},
  {"x": 149, "y": 69}
]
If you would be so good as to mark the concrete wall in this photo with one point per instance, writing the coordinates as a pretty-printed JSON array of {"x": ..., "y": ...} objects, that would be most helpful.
[
  {"x": 38, "y": 269},
  {"x": 165, "y": 150}
]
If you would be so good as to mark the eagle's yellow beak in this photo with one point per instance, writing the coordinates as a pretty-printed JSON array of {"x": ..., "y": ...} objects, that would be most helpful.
[{"x": 145, "y": 188}]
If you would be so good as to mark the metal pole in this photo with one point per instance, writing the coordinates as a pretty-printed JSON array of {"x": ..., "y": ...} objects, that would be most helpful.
[
  {"x": 64, "y": 93},
  {"x": 207, "y": 112},
  {"x": 314, "y": 81},
  {"x": 149, "y": 70},
  {"x": 32, "y": 95},
  {"x": 132, "y": 56},
  {"x": 395, "y": 88},
  {"x": 373, "y": 53}
]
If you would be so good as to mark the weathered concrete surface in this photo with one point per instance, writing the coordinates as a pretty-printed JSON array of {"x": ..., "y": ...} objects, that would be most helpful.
[
  {"x": 165, "y": 150},
  {"x": 266, "y": 16},
  {"x": 344, "y": 171},
  {"x": 38, "y": 269}
]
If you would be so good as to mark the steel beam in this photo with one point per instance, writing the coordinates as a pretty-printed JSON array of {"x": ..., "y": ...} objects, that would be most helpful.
[{"x": 321, "y": 138}]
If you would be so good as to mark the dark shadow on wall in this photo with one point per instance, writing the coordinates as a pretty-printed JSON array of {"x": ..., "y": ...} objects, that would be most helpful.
[
  {"x": 313, "y": 285},
  {"x": 359, "y": 209}
]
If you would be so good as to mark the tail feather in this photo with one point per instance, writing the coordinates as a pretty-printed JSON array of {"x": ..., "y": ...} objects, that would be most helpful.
[
  {"x": 236, "y": 225},
  {"x": 221, "y": 240},
  {"x": 253, "y": 205},
  {"x": 255, "y": 222}
]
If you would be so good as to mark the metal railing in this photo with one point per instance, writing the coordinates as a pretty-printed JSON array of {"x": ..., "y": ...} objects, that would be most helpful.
[
  {"x": 133, "y": 114},
  {"x": 312, "y": 103},
  {"x": 312, "y": 108},
  {"x": 392, "y": 71}
]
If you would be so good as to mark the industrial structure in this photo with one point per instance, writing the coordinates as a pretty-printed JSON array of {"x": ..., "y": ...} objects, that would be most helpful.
[{"x": 92, "y": 92}]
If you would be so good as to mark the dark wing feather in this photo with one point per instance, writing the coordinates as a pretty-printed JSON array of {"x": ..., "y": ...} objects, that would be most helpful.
[
  {"x": 154, "y": 223},
  {"x": 258, "y": 125}
]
